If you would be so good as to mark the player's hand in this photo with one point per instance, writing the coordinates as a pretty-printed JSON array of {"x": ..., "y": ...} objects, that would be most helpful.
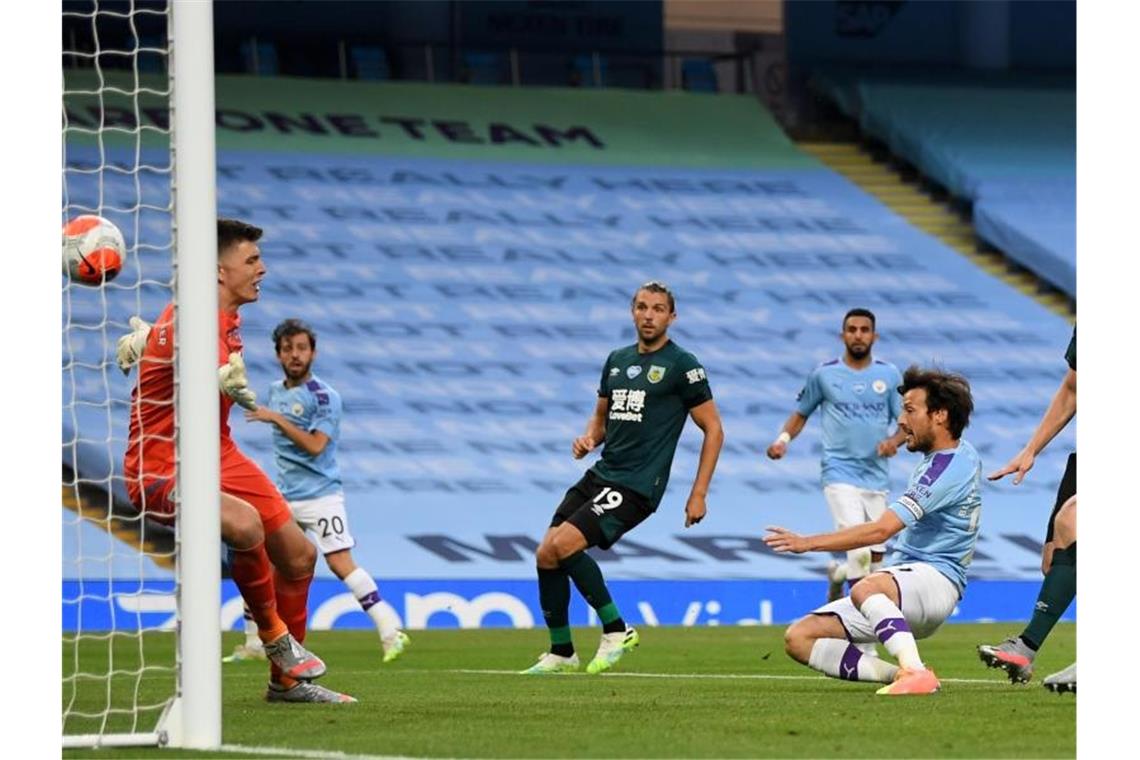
[
  {"x": 130, "y": 347},
  {"x": 261, "y": 414},
  {"x": 233, "y": 382},
  {"x": 777, "y": 450},
  {"x": 582, "y": 446},
  {"x": 782, "y": 541},
  {"x": 695, "y": 510},
  {"x": 1021, "y": 464},
  {"x": 887, "y": 447}
]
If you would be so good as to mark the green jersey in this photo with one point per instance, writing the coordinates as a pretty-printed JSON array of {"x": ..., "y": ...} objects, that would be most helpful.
[{"x": 650, "y": 397}]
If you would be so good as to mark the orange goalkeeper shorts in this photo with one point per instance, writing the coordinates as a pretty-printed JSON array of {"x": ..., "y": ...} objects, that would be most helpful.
[{"x": 240, "y": 478}]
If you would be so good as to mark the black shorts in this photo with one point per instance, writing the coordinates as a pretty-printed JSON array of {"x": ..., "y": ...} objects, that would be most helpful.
[
  {"x": 603, "y": 511},
  {"x": 1065, "y": 491}
]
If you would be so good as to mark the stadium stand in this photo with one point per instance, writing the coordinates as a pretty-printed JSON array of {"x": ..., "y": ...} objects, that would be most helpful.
[
  {"x": 1003, "y": 142},
  {"x": 467, "y": 264}
]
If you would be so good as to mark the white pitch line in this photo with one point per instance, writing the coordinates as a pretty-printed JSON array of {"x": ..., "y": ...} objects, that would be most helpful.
[{"x": 311, "y": 754}]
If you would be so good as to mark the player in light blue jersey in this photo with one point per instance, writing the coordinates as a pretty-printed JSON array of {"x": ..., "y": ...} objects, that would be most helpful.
[
  {"x": 923, "y": 580},
  {"x": 859, "y": 404},
  {"x": 305, "y": 412}
]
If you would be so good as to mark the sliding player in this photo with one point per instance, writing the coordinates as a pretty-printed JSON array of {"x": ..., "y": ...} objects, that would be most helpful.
[{"x": 923, "y": 581}]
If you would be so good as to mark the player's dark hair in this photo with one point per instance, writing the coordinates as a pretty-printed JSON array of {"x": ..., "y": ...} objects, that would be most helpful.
[
  {"x": 231, "y": 231},
  {"x": 656, "y": 286},
  {"x": 944, "y": 390},
  {"x": 288, "y": 329},
  {"x": 859, "y": 312}
]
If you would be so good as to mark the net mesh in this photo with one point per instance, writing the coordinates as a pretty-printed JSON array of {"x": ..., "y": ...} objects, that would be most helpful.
[{"x": 119, "y": 610}]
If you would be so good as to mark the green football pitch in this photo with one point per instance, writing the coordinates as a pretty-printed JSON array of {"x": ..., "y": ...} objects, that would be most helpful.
[{"x": 685, "y": 692}]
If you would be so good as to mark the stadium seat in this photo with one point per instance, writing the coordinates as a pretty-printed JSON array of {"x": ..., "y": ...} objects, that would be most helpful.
[
  {"x": 484, "y": 68},
  {"x": 370, "y": 62},
  {"x": 698, "y": 75},
  {"x": 264, "y": 63}
]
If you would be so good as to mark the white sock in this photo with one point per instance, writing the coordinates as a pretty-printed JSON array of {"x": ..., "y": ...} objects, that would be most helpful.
[
  {"x": 839, "y": 658},
  {"x": 251, "y": 637},
  {"x": 891, "y": 628},
  {"x": 366, "y": 591},
  {"x": 876, "y": 565}
]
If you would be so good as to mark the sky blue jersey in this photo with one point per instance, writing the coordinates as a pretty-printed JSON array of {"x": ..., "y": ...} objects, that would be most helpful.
[
  {"x": 311, "y": 406},
  {"x": 941, "y": 508},
  {"x": 860, "y": 407}
]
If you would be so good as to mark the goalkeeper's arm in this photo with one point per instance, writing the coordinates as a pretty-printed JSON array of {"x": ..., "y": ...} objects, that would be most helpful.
[{"x": 233, "y": 382}]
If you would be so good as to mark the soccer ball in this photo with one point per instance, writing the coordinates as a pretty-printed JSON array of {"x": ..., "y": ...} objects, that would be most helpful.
[{"x": 93, "y": 250}]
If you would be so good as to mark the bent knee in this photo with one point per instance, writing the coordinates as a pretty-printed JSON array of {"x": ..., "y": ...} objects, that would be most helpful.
[
  {"x": 546, "y": 555},
  {"x": 798, "y": 641},
  {"x": 241, "y": 528}
]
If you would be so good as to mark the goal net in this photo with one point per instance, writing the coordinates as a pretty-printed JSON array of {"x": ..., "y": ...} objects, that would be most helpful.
[{"x": 122, "y": 663}]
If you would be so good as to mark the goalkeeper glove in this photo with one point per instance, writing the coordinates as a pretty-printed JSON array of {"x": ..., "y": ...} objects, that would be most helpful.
[
  {"x": 232, "y": 382},
  {"x": 130, "y": 346}
]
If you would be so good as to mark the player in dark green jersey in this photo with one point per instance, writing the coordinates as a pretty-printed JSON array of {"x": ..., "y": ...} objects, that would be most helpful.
[
  {"x": 647, "y": 391},
  {"x": 1015, "y": 655}
]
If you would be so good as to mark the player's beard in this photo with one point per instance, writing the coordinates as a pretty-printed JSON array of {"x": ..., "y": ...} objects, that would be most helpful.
[
  {"x": 919, "y": 444},
  {"x": 295, "y": 376},
  {"x": 858, "y": 353}
]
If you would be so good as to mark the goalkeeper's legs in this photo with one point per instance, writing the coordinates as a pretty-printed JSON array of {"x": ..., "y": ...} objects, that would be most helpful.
[{"x": 293, "y": 559}]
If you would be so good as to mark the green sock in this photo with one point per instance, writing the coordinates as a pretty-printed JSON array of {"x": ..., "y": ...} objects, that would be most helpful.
[
  {"x": 554, "y": 598},
  {"x": 587, "y": 577},
  {"x": 1057, "y": 592}
]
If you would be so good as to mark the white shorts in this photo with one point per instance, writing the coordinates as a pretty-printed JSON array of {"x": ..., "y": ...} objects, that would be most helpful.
[
  {"x": 325, "y": 518},
  {"x": 852, "y": 505},
  {"x": 926, "y": 598}
]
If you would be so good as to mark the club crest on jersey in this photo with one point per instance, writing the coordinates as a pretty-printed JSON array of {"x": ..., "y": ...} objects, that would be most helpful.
[
  {"x": 633, "y": 371},
  {"x": 298, "y": 410},
  {"x": 879, "y": 386},
  {"x": 859, "y": 387},
  {"x": 655, "y": 373}
]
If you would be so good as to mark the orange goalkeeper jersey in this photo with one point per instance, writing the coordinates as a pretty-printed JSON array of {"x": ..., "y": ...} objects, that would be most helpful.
[{"x": 150, "y": 447}]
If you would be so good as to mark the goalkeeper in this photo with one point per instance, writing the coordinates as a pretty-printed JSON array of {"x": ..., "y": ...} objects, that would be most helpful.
[{"x": 272, "y": 562}]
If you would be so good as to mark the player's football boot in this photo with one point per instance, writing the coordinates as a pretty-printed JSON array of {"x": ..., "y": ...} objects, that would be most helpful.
[
  {"x": 1062, "y": 681},
  {"x": 611, "y": 649},
  {"x": 245, "y": 652},
  {"x": 553, "y": 663},
  {"x": 1012, "y": 656},
  {"x": 836, "y": 575},
  {"x": 394, "y": 645},
  {"x": 294, "y": 660},
  {"x": 303, "y": 691},
  {"x": 909, "y": 682}
]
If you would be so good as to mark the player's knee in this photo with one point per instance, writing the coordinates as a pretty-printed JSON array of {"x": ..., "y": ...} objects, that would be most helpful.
[
  {"x": 546, "y": 555},
  {"x": 876, "y": 583},
  {"x": 1065, "y": 524},
  {"x": 797, "y": 641},
  {"x": 241, "y": 528}
]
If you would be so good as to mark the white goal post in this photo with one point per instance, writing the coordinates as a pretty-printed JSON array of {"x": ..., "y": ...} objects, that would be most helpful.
[{"x": 142, "y": 659}]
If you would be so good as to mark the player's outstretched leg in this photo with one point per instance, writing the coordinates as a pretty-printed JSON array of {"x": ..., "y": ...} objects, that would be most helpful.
[
  {"x": 875, "y": 597},
  {"x": 1062, "y": 681}
]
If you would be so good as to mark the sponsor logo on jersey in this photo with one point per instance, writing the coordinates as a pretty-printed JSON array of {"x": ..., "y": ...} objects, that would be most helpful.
[
  {"x": 695, "y": 375},
  {"x": 614, "y": 371},
  {"x": 633, "y": 371},
  {"x": 655, "y": 374},
  {"x": 879, "y": 386}
]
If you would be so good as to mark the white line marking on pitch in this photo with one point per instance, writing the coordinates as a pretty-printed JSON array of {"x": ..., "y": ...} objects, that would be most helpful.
[{"x": 312, "y": 754}]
